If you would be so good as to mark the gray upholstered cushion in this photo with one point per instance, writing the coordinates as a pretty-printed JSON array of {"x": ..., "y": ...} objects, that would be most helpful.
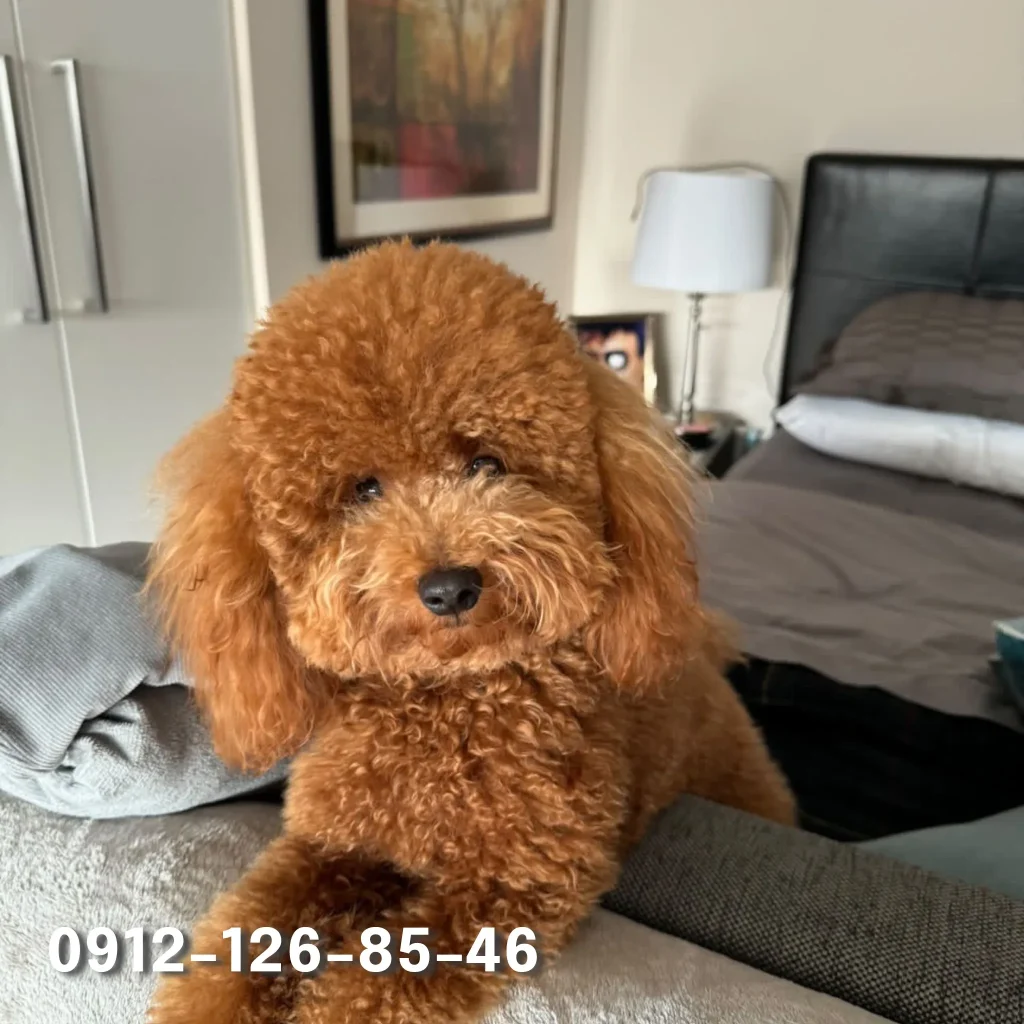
[
  {"x": 885, "y": 936},
  {"x": 932, "y": 350}
]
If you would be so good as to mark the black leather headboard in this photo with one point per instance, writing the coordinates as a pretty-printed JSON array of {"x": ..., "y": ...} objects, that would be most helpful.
[{"x": 876, "y": 225}]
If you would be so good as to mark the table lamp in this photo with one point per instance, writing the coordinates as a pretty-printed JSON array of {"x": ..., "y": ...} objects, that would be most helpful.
[{"x": 704, "y": 232}]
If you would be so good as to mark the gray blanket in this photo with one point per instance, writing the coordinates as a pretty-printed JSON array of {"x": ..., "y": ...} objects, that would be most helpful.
[
  {"x": 95, "y": 718},
  {"x": 863, "y": 594},
  {"x": 784, "y": 460},
  {"x": 156, "y": 872}
]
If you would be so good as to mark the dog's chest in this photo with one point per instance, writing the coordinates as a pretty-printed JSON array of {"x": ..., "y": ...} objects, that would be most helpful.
[
  {"x": 450, "y": 741},
  {"x": 439, "y": 771}
]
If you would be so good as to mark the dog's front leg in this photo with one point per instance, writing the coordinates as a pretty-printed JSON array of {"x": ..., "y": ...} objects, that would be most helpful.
[
  {"x": 447, "y": 992},
  {"x": 293, "y": 884}
]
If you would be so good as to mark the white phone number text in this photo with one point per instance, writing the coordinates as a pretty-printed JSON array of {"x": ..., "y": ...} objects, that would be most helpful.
[{"x": 160, "y": 951}]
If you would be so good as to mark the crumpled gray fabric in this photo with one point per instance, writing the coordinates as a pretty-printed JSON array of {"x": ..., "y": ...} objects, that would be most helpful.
[{"x": 96, "y": 718}]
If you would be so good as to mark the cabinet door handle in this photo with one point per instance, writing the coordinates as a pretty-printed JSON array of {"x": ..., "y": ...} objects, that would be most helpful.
[
  {"x": 36, "y": 311},
  {"x": 68, "y": 68}
]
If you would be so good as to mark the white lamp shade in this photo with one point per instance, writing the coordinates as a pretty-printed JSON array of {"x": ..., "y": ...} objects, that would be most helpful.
[{"x": 704, "y": 232}]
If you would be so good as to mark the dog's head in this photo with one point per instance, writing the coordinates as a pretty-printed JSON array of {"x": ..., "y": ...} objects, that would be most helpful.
[{"x": 417, "y": 475}]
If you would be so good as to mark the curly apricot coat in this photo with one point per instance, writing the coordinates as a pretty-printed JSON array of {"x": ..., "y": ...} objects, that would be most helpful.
[{"x": 413, "y": 409}]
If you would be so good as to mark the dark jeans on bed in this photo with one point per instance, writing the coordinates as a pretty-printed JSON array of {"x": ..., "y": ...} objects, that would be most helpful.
[{"x": 864, "y": 763}]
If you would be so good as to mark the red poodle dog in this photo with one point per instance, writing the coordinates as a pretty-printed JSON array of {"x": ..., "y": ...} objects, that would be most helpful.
[{"x": 444, "y": 558}]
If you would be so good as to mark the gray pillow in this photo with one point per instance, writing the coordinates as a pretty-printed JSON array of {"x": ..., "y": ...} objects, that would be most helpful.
[
  {"x": 986, "y": 852},
  {"x": 932, "y": 350}
]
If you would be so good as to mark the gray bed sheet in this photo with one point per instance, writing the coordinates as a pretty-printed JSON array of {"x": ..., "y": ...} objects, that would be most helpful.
[
  {"x": 869, "y": 577},
  {"x": 784, "y": 461}
]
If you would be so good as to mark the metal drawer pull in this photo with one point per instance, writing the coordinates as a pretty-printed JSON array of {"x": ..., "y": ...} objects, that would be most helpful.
[
  {"x": 37, "y": 311},
  {"x": 69, "y": 69}
]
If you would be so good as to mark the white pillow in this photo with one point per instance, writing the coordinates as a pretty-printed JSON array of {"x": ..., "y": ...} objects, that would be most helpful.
[{"x": 988, "y": 454}]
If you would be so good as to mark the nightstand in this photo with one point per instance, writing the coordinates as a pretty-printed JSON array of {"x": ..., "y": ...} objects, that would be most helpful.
[{"x": 713, "y": 454}]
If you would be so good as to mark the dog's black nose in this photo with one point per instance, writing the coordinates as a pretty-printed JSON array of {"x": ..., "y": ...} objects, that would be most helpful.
[{"x": 451, "y": 591}]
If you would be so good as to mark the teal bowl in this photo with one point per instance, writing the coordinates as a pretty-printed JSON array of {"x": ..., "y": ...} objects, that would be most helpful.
[{"x": 1010, "y": 648}]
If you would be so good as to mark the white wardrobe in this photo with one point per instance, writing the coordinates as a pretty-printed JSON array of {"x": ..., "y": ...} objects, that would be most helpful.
[{"x": 125, "y": 293}]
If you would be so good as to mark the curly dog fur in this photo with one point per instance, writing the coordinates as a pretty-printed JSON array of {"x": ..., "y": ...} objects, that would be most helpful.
[{"x": 413, "y": 409}]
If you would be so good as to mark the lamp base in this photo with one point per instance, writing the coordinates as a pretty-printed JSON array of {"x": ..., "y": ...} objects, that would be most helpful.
[{"x": 687, "y": 418}]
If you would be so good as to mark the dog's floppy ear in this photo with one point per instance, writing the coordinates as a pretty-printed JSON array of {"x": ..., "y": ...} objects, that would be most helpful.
[
  {"x": 217, "y": 597},
  {"x": 650, "y": 619}
]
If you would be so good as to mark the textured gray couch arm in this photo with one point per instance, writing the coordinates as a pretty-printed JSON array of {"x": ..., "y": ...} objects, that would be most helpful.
[{"x": 890, "y": 938}]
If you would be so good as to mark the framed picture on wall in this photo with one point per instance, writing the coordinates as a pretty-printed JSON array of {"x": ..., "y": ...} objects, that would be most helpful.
[
  {"x": 625, "y": 343},
  {"x": 433, "y": 118}
]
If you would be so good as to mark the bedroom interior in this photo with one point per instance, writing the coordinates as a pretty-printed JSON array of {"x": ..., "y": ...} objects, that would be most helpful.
[{"x": 856, "y": 446}]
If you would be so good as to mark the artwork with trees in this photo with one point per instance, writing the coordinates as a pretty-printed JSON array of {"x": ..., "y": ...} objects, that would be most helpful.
[{"x": 446, "y": 97}]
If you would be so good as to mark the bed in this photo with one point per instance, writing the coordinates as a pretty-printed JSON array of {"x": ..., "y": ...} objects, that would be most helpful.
[{"x": 865, "y": 596}]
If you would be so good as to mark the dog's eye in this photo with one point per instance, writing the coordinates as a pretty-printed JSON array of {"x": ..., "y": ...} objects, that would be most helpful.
[
  {"x": 486, "y": 464},
  {"x": 368, "y": 490}
]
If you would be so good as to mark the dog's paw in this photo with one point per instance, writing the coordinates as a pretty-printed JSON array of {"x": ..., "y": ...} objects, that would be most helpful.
[{"x": 215, "y": 995}]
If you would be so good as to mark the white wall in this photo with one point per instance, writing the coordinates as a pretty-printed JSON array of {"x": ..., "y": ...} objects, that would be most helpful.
[
  {"x": 276, "y": 64},
  {"x": 684, "y": 82}
]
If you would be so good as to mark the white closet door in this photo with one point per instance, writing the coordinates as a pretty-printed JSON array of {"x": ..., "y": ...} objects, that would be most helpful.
[
  {"x": 155, "y": 91},
  {"x": 39, "y": 499}
]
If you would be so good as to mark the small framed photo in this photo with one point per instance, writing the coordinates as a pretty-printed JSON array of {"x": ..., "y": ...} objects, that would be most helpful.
[{"x": 625, "y": 343}]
